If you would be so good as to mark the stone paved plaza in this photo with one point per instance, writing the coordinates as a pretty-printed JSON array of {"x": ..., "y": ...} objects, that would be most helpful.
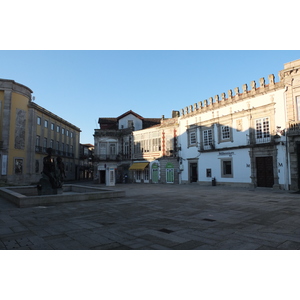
[{"x": 181, "y": 217}]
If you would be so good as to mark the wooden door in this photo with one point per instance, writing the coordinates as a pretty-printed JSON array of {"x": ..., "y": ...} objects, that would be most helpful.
[{"x": 265, "y": 174}]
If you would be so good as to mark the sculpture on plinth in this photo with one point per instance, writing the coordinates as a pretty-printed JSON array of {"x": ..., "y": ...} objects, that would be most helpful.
[{"x": 52, "y": 175}]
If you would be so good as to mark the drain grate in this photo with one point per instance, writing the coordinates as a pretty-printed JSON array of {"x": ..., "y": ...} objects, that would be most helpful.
[
  {"x": 107, "y": 224},
  {"x": 209, "y": 220},
  {"x": 166, "y": 230}
]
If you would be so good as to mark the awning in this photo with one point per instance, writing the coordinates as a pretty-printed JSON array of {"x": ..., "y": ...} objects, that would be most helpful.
[{"x": 138, "y": 166}]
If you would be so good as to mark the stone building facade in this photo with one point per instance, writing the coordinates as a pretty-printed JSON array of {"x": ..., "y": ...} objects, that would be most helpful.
[
  {"x": 155, "y": 153},
  {"x": 290, "y": 79},
  {"x": 139, "y": 149},
  {"x": 246, "y": 138},
  {"x": 86, "y": 160},
  {"x": 26, "y": 131}
]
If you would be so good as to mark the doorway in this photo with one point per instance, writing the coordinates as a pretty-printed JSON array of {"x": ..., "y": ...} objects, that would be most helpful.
[
  {"x": 155, "y": 173},
  {"x": 102, "y": 176},
  {"x": 193, "y": 172},
  {"x": 264, "y": 174}
]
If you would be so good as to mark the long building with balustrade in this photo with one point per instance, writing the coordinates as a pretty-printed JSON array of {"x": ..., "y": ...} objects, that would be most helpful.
[{"x": 247, "y": 138}]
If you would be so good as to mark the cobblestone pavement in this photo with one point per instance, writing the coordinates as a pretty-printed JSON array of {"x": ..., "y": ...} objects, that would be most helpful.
[{"x": 182, "y": 217}]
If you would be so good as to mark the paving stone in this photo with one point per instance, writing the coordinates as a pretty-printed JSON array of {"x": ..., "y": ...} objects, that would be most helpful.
[
  {"x": 2, "y": 246},
  {"x": 205, "y": 247},
  {"x": 109, "y": 246},
  {"x": 5, "y": 230},
  {"x": 256, "y": 240},
  {"x": 190, "y": 245},
  {"x": 289, "y": 245},
  {"x": 264, "y": 247},
  {"x": 159, "y": 217},
  {"x": 137, "y": 243},
  {"x": 24, "y": 242},
  {"x": 18, "y": 228},
  {"x": 159, "y": 247},
  {"x": 99, "y": 238},
  {"x": 11, "y": 244},
  {"x": 85, "y": 241},
  {"x": 42, "y": 247},
  {"x": 160, "y": 241},
  {"x": 233, "y": 244}
]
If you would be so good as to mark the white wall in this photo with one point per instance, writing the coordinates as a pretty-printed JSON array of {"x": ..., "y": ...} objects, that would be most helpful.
[
  {"x": 138, "y": 124},
  {"x": 228, "y": 115},
  {"x": 98, "y": 140}
]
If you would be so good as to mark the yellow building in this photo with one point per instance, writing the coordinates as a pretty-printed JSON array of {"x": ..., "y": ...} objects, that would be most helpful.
[{"x": 26, "y": 131}]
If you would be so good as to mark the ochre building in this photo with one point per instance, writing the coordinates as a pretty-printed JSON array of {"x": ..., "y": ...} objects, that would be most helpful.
[{"x": 26, "y": 131}]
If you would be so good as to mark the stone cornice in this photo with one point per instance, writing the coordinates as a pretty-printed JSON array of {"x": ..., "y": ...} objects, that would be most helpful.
[
  {"x": 8, "y": 84},
  {"x": 52, "y": 115},
  {"x": 223, "y": 101}
]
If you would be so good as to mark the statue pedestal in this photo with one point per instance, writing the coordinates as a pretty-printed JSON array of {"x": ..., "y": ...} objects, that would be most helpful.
[{"x": 45, "y": 188}]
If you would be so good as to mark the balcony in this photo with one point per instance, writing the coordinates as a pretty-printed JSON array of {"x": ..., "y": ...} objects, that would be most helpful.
[
  {"x": 294, "y": 129},
  {"x": 40, "y": 149},
  {"x": 105, "y": 157},
  {"x": 263, "y": 140}
]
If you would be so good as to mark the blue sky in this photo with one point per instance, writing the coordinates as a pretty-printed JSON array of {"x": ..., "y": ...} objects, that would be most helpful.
[{"x": 81, "y": 86}]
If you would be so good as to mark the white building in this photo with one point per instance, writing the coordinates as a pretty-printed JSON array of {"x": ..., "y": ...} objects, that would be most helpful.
[{"x": 238, "y": 139}]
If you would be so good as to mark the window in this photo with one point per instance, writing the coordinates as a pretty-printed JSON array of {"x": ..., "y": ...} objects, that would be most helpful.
[
  {"x": 262, "y": 130},
  {"x": 112, "y": 148},
  {"x": 137, "y": 147},
  {"x": 51, "y": 144},
  {"x": 45, "y": 143},
  {"x": 225, "y": 132},
  {"x": 226, "y": 168},
  {"x": 208, "y": 172},
  {"x": 130, "y": 123},
  {"x": 46, "y": 124},
  {"x": 207, "y": 139},
  {"x": 38, "y": 120},
  {"x": 57, "y": 128},
  {"x": 67, "y": 132},
  {"x": 192, "y": 137},
  {"x": 52, "y": 126},
  {"x": 102, "y": 148},
  {"x": 38, "y": 140},
  {"x": 138, "y": 176},
  {"x": 126, "y": 149},
  {"x": 71, "y": 134},
  {"x": 298, "y": 107},
  {"x": 19, "y": 166},
  {"x": 57, "y": 146},
  {"x": 71, "y": 149},
  {"x": 156, "y": 146},
  {"x": 37, "y": 166},
  {"x": 62, "y": 131}
]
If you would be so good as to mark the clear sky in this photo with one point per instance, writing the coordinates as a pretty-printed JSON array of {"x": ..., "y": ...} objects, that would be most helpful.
[{"x": 81, "y": 86}]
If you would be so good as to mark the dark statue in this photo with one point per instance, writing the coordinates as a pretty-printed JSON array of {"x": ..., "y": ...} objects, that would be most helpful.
[{"x": 52, "y": 175}]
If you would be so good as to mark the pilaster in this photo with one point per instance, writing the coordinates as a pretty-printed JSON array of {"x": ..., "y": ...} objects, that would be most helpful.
[{"x": 6, "y": 119}]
